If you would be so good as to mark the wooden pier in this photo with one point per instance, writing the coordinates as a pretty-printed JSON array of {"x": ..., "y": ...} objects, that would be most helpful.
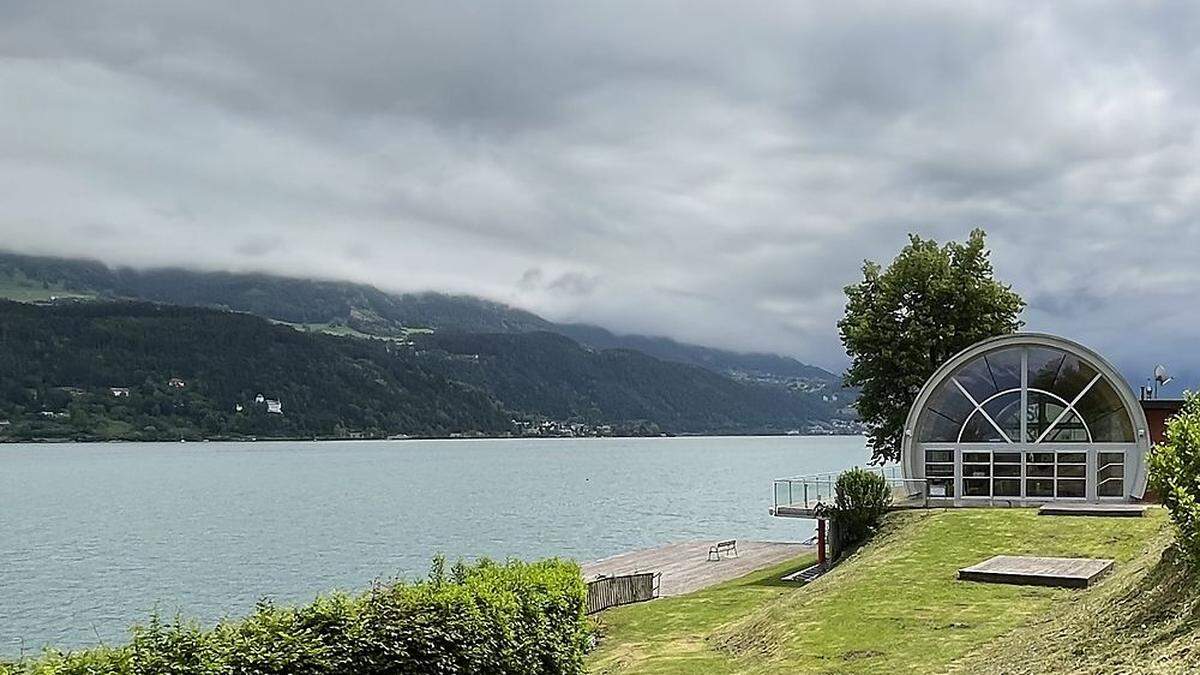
[{"x": 685, "y": 566}]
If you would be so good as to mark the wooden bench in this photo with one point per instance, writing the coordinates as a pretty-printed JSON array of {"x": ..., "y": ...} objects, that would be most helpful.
[{"x": 715, "y": 551}]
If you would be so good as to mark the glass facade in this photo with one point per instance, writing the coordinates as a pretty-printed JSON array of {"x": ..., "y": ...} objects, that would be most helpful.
[
  {"x": 1065, "y": 401},
  {"x": 1026, "y": 422}
]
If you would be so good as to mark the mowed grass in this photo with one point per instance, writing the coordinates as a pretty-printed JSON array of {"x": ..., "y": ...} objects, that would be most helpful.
[
  {"x": 894, "y": 606},
  {"x": 668, "y": 635}
]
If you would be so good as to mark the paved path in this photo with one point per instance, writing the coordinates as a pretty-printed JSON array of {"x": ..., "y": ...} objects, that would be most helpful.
[{"x": 685, "y": 566}]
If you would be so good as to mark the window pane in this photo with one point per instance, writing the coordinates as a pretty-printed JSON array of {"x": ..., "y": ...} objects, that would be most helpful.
[
  {"x": 1105, "y": 414},
  {"x": 977, "y": 457},
  {"x": 979, "y": 430},
  {"x": 944, "y": 414},
  {"x": 1045, "y": 410},
  {"x": 1007, "y": 470},
  {"x": 941, "y": 488},
  {"x": 1039, "y": 457},
  {"x": 1044, "y": 366},
  {"x": 976, "y": 378},
  {"x": 1040, "y": 470},
  {"x": 1072, "y": 488},
  {"x": 934, "y": 428},
  {"x": 976, "y": 487},
  {"x": 939, "y": 469},
  {"x": 1057, "y": 372},
  {"x": 1007, "y": 458},
  {"x": 977, "y": 470},
  {"x": 1070, "y": 429},
  {"x": 1005, "y": 366},
  {"x": 1072, "y": 458},
  {"x": 939, "y": 455},
  {"x": 1111, "y": 487},
  {"x": 1039, "y": 487},
  {"x": 1072, "y": 471},
  {"x": 1006, "y": 487},
  {"x": 1005, "y": 410},
  {"x": 1110, "y": 474}
]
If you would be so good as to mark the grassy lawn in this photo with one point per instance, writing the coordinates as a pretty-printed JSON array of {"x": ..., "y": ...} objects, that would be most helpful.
[
  {"x": 895, "y": 606},
  {"x": 668, "y": 636}
]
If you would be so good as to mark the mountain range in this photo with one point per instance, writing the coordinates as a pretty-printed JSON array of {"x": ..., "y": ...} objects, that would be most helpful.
[{"x": 535, "y": 372}]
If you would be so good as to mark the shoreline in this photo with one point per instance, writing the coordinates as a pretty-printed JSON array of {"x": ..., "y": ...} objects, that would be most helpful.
[{"x": 304, "y": 439}]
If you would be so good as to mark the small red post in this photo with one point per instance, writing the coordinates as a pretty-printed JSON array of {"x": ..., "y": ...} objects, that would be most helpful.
[{"x": 821, "y": 542}]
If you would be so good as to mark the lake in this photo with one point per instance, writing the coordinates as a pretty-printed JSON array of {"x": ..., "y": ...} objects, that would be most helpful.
[{"x": 93, "y": 537}]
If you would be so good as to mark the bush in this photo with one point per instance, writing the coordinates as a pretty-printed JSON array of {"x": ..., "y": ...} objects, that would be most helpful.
[
  {"x": 861, "y": 498},
  {"x": 1175, "y": 475},
  {"x": 485, "y": 618}
]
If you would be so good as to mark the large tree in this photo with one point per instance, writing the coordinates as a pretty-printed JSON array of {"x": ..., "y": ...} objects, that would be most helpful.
[{"x": 903, "y": 322}]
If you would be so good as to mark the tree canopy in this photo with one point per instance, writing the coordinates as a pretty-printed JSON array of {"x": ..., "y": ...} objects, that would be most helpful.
[{"x": 903, "y": 322}]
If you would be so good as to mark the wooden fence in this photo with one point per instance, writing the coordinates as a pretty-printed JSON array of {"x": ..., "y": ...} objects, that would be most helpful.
[{"x": 605, "y": 592}]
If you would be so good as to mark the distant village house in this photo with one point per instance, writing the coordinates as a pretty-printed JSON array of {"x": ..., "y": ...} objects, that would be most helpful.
[
  {"x": 119, "y": 391},
  {"x": 274, "y": 406},
  {"x": 176, "y": 383}
]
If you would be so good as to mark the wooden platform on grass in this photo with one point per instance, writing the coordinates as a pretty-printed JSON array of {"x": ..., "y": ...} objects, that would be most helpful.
[
  {"x": 1114, "y": 510},
  {"x": 1034, "y": 571},
  {"x": 685, "y": 566}
]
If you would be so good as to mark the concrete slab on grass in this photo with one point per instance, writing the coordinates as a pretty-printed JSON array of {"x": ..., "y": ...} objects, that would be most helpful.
[
  {"x": 1114, "y": 510},
  {"x": 1035, "y": 571}
]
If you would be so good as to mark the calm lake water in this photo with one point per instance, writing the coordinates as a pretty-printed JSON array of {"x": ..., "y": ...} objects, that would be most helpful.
[{"x": 94, "y": 537}]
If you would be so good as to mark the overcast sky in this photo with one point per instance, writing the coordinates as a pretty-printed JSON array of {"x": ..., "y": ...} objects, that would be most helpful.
[{"x": 715, "y": 172}]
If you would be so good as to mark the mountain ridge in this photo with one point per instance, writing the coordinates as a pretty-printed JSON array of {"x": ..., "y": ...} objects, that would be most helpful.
[
  {"x": 366, "y": 309},
  {"x": 149, "y": 371}
]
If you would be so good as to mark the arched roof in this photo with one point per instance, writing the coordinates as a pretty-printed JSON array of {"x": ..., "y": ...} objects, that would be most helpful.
[{"x": 977, "y": 397}]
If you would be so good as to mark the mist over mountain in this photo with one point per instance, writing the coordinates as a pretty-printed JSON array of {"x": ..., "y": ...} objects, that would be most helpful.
[
  {"x": 362, "y": 308},
  {"x": 350, "y": 360}
]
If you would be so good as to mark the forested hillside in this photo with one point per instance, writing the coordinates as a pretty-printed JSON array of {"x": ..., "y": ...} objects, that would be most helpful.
[
  {"x": 757, "y": 367},
  {"x": 554, "y": 375},
  {"x": 341, "y": 307},
  {"x": 104, "y": 370},
  {"x": 100, "y": 370}
]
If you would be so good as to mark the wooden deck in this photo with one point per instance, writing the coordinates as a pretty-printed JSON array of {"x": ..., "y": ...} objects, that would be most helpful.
[
  {"x": 1110, "y": 510},
  {"x": 1033, "y": 571},
  {"x": 685, "y": 566}
]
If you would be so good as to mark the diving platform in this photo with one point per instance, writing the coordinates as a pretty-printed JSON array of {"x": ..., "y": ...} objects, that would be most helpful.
[{"x": 1036, "y": 571}]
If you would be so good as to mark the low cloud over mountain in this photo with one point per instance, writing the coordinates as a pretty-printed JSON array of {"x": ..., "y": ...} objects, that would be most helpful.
[{"x": 714, "y": 172}]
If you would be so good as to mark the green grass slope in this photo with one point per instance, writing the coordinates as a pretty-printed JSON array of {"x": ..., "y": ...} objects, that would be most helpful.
[
  {"x": 1145, "y": 619},
  {"x": 669, "y": 636},
  {"x": 896, "y": 605}
]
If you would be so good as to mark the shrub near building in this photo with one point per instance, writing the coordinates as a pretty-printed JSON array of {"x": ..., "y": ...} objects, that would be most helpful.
[
  {"x": 1175, "y": 475},
  {"x": 861, "y": 499},
  {"x": 523, "y": 618}
]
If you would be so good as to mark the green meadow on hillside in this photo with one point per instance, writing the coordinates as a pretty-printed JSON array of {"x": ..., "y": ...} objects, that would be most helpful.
[{"x": 893, "y": 606}]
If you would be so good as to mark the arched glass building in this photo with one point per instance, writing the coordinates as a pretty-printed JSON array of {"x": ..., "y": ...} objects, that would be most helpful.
[{"x": 1026, "y": 419}]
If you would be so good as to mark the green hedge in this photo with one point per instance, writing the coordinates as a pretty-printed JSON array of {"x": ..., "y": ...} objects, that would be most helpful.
[
  {"x": 1175, "y": 476},
  {"x": 483, "y": 618}
]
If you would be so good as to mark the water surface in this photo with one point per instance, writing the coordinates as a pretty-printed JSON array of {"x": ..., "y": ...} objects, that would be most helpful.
[{"x": 93, "y": 537}]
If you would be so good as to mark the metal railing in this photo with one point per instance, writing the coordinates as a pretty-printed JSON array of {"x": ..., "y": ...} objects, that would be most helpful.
[{"x": 806, "y": 493}]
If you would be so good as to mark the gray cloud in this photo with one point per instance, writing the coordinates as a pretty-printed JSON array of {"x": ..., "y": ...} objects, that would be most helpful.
[{"x": 702, "y": 170}]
